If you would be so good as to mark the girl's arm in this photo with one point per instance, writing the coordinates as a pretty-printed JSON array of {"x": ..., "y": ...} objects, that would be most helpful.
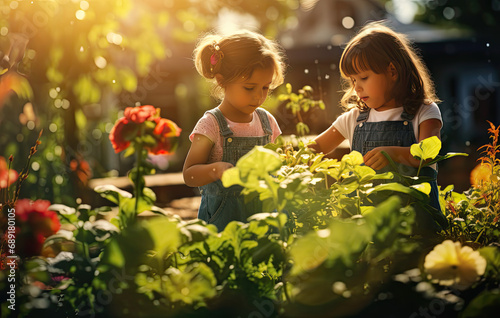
[
  {"x": 327, "y": 141},
  {"x": 376, "y": 160},
  {"x": 196, "y": 171}
]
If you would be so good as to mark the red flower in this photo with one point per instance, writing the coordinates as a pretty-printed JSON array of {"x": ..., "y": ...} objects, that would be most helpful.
[
  {"x": 140, "y": 114},
  {"x": 165, "y": 132},
  {"x": 166, "y": 128},
  {"x": 7, "y": 176},
  {"x": 116, "y": 136},
  {"x": 139, "y": 125},
  {"x": 35, "y": 223},
  {"x": 163, "y": 147}
]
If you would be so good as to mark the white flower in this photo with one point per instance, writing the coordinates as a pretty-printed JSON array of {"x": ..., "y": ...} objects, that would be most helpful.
[{"x": 450, "y": 264}]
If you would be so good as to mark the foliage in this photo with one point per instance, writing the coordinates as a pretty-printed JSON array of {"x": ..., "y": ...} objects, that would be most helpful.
[
  {"x": 474, "y": 214},
  {"x": 300, "y": 103},
  {"x": 477, "y": 15},
  {"x": 69, "y": 66},
  {"x": 330, "y": 242}
]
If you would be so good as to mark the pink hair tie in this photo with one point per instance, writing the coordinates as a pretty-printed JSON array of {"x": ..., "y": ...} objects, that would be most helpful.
[
  {"x": 216, "y": 56},
  {"x": 214, "y": 59}
]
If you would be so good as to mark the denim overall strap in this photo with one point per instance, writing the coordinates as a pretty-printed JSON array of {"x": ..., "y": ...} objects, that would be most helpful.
[
  {"x": 236, "y": 147},
  {"x": 220, "y": 205},
  {"x": 363, "y": 116},
  {"x": 370, "y": 135},
  {"x": 264, "y": 120},
  {"x": 221, "y": 121}
]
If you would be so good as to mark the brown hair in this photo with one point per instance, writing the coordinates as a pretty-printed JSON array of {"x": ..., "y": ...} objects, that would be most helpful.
[
  {"x": 374, "y": 48},
  {"x": 237, "y": 55}
]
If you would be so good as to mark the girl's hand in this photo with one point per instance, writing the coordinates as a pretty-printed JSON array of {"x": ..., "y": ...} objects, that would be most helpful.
[
  {"x": 375, "y": 159},
  {"x": 218, "y": 168}
]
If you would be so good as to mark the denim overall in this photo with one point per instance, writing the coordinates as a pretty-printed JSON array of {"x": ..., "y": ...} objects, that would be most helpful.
[
  {"x": 220, "y": 205},
  {"x": 369, "y": 135}
]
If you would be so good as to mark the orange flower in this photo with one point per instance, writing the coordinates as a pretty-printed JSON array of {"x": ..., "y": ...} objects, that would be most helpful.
[{"x": 480, "y": 174}]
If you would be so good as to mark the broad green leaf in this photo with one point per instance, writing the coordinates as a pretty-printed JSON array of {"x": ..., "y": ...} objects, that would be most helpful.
[
  {"x": 259, "y": 162},
  {"x": 62, "y": 209},
  {"x": 423, "y": 187},
  {"x": 307, "y": 253},
  {"x": 364, "y": 172},
  {"x": 198, "y": 232},
  {"x": 231, "y": 177},
  {"x": 492, "y": 256},
  {"x": 426, "y": 149},
  {"x": 397, "y": 187},
  {"x": 447, "y": 156},
  {"x": 112, "y": 193},
  {"x": 128, "y": 206},
  {"x": 61, "y": 237},
  {"x": 149, "y": 194},
  {"x": 353, "y": 158},
  {"x": 113, "y": 255},
  {"x": 165, "y": 235},
  {"x": 193, "y": 285}
]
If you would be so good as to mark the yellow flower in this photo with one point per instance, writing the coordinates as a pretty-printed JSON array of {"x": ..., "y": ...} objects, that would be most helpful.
[{"x": 450, "y": 264}]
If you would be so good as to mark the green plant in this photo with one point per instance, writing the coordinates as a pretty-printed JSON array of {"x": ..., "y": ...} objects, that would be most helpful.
[
  {"x": 298, "y": 181},
  {"x": 474, "y": 214},
  {"x": 300, "y": 103},
  {"x": 329, "y": 243}
]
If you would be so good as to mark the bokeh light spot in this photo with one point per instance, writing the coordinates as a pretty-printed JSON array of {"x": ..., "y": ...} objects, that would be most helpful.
[
  {"x": 53, "y": 93},
  {"x": 35, "y": 166},
  {"x": 448, "y": 13},
  {"x": 84, "y": 5},
  {"x": 348, "y": 22},
  {"x": 100, "y": 62},
  {"x": 59, "y": 179},
  {"x": 30, "y": 124},
  {"x": 80, "y": 14},
  {"x": 53, "y": 127}
]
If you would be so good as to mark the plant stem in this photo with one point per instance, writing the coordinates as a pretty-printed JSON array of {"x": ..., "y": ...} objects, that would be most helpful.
[
  {"x": 420, "y": 166},
  {"x": 138, "y": 176}
]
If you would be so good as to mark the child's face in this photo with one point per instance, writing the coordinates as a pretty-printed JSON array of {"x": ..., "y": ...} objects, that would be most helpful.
[
  {"x": 375, "y": 90},
  {"x": 247, "y": 94}
]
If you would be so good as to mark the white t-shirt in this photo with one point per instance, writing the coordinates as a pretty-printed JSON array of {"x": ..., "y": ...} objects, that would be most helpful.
[
  {"x": 207, "y": 126},
  {"x": 346, "y": 122}
]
